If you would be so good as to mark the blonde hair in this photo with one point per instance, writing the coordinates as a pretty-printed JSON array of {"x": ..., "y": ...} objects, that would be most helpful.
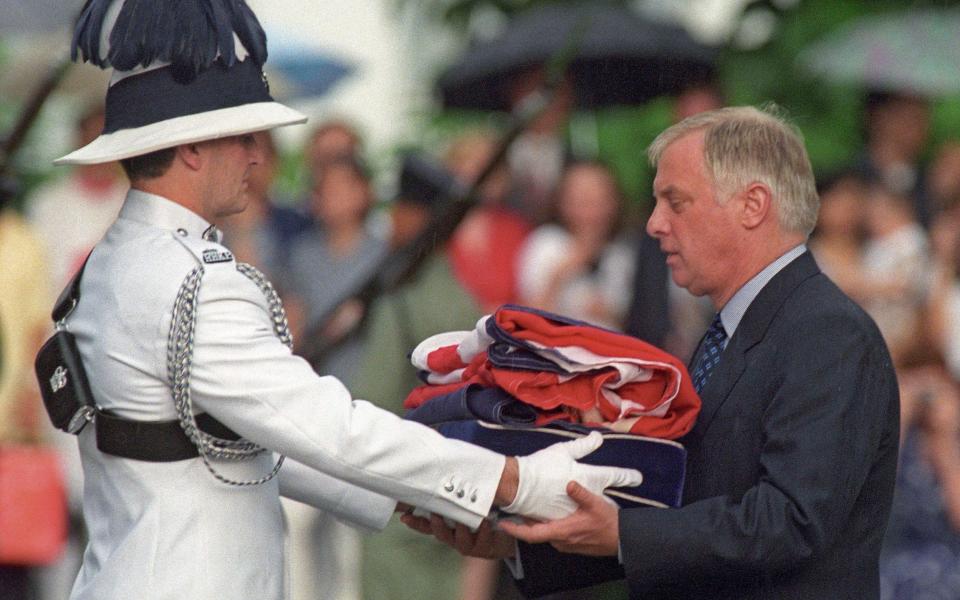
[{"x": 743, "y": 144}]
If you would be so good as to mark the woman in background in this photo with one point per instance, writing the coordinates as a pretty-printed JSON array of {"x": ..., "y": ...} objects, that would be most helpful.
[{"x": 578, "y": 265}]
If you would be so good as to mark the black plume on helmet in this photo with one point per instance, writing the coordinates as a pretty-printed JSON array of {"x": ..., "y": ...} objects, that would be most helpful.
[{"x": 189, "y": 34}]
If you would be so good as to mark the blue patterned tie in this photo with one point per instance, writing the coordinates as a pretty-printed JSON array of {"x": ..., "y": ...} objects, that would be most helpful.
[{"x": 709, "y": 353}]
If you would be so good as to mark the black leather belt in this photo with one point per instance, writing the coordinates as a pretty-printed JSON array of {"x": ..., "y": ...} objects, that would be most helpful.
[{"x": 153, "y": 441}]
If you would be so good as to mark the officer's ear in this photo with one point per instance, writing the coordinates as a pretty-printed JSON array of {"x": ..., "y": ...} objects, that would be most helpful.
[{"x": 191, "y": 155}]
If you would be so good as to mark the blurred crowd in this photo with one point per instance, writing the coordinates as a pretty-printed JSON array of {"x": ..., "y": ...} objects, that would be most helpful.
[{"x": 550, "y": 230}]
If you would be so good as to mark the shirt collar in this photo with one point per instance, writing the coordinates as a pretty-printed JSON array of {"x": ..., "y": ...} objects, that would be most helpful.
[
  {"x": 732, "y": 313},
  {"x": 158, "y": 211}
]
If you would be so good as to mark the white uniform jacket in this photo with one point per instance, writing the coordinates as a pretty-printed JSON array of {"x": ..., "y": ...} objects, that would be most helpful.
[{"x": 170, "y": 529}]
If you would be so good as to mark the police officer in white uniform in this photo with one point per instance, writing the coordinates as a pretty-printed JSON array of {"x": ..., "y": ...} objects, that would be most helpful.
[{"x": 173, "y": 331}]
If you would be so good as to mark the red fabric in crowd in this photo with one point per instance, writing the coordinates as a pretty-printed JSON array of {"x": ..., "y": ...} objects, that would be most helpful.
[{"x": 489, "y": 270}]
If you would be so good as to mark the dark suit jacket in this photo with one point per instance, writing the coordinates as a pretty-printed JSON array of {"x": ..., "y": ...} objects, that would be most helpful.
[{"x": 790, "y": 468}]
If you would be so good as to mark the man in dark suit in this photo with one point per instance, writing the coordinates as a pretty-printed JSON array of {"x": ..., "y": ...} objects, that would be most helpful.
[{"x": 791, "y": 464}]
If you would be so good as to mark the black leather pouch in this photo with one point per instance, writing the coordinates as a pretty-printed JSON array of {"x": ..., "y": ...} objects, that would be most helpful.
[
  {"x": 60, "y": 373},
  {"x": 63, "y": 383}
]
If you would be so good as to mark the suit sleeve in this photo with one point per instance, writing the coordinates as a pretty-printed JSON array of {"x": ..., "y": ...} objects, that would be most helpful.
[
  {"x": 833, "y": 391},
  {"x": 247, "y": 379},
  {"x": 547, "y": 571}
]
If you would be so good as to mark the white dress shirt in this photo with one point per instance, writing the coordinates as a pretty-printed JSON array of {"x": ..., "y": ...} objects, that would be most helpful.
[{"x": 732, "y": 312}]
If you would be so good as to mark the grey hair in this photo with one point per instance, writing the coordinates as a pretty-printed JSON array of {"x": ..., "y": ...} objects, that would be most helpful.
[{"x": 743, "y": 144}]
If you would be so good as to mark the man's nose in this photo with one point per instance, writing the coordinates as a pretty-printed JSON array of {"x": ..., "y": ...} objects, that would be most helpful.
[{"x": 655, "y": 224}]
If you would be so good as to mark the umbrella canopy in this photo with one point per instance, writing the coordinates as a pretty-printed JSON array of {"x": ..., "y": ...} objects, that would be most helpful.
[
  {"x": 621, "y": 58},
  {"x": 305, "y": 72},
  {"x": 37, "y": 16},
  {"x": 297, "y": 68},
  {"x": 914, "y": 52}
]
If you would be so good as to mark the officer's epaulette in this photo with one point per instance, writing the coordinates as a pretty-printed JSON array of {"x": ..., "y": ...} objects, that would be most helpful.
[{"x": 206, "y": 252}]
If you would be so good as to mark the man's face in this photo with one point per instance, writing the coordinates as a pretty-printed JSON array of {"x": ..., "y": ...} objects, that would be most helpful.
[
  {"x": 228, "y": 171},
  {"x": 697, "y": 234}
]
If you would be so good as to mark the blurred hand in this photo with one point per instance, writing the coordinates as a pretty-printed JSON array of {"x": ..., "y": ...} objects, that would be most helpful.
[
  {"x": 544, "y": 475},
  {"x": 485, "y": 542},
  {"x": 592, "y": 530},
  {"x": 580, "y": 254}
]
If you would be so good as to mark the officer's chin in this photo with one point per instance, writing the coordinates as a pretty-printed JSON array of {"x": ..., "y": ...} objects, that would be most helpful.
[{"x": 236, "y": 207}]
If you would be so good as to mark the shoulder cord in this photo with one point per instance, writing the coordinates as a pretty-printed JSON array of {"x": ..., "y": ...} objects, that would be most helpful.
[{"x": 179, "y": 360}]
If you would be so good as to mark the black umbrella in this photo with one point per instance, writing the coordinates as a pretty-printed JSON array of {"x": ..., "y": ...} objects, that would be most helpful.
[{"x": 620, "y": 58}]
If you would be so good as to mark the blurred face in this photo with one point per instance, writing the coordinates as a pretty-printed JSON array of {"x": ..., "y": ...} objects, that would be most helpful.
[
  {"x": 330, "y": 144},
  {"x": 885, "y": 212},
  {"x": 905, "y": 122},
  {"x": 588, "y": 201},
  {"x": 695, "y": 101},
  {"x": 408, "y": 220},
  {"x": 467, "y": 160},
  {"x": 698, "y": 235},
  {"x": 341, "y": 197},
  {"x": 229, "y": 163},
  {"x": 841, "y": 209}
]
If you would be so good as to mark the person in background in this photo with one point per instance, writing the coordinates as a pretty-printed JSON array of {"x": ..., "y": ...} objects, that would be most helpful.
[
  {"x": 897, "y": 129},
  {"x": 399, "y": 564},
  {"x": 24, "y": 323},
  {"x": 895, "y": 269},
  {"x": 921, "y": 555},
  {"x": 332, "y": 259},
  {"x": 485, "y": 248},
  {"x": 838, "y": 240},
  {"x": 537, "y": 156},
  {"x": 329, "y": 261},
  {"x": 700, "y": 95},
  {"x": 578, "y": 265},
  {"x": 71, "y": 213},
  {"x": 332, "y": 139}
]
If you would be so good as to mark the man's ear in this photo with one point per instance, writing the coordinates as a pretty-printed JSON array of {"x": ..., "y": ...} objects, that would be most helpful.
[
  {"x": 191, "y": 156},
  {"x": 757, "y": 204}
]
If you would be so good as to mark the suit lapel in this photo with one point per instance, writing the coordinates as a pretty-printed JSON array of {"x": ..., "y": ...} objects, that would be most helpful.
[{"x": 751, "y": 330}]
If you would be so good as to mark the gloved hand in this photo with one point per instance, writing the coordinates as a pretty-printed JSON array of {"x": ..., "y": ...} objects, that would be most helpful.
[{"x": 544, "y": 475}]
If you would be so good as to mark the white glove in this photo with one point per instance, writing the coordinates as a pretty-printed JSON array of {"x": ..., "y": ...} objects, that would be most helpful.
[{"x": 544, "y": 475}]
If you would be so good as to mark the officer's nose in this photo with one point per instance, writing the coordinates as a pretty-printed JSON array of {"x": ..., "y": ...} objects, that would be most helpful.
[{"x": 255, "y": 153}]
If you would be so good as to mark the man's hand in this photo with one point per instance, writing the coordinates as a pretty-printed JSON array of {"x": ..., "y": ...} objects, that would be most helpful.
[
  {"x": 486, "y": 542},
  {"x": 592, "y": 530}
]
